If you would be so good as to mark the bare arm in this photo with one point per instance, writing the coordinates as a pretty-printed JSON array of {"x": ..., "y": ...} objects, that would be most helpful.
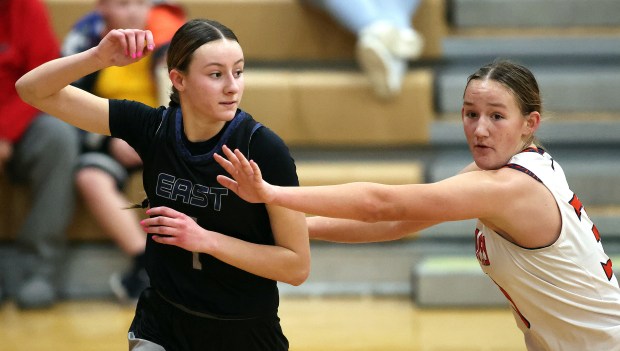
[
  {"x": 287, "y": 261},
  {"x": 352, "y": 231},
  {"x": 48, "y": 88},
  {"x": 448, "y": 200}
]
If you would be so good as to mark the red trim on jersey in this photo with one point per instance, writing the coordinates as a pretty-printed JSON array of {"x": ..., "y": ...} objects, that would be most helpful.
[
  {"x": 607, "y": 267},
  {"x": 577, "y": 205},
  {"x": 597, "y": 234}
]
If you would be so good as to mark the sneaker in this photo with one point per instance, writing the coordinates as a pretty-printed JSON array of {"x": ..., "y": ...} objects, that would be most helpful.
[
  {"x": 128, "y": 287},
  {"x": 404, "y": 43},
  {"x": 36, "y": 292},
  {"x": 407, "y": 44},
  {"x": 384, "y": 70}
]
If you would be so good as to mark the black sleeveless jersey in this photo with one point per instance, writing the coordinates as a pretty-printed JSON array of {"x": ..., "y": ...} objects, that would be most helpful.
[{"x": 185, "y": 181}]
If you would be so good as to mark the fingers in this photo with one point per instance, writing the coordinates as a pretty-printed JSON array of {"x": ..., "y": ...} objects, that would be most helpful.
[
  {"x": 258, "y": 177},
  {"x": 236, "y": 162},
  {"x": 163, "y": 211},
  {"x": 137, "y": 42},
  {"x": 245, "y": 165},
  {"x": 228, "y": 167},
  {"x": 227, "y": 182},
  {"x": 130, "y": 37},
  {"x": 150, "y": 42}
]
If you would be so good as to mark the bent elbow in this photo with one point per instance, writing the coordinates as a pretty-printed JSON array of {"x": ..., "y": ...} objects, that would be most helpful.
[
  {"x": 25, "y": 91},
  {"x": 299, "y": 276}
]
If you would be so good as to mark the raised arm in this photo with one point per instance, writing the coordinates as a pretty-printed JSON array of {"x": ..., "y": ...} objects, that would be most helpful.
[{"x": 48, "y": 88}]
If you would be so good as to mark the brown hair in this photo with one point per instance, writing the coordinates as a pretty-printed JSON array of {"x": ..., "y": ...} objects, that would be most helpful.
[
  {"x": 517, "y": 79},
  {"x": 192, "y": 35}
]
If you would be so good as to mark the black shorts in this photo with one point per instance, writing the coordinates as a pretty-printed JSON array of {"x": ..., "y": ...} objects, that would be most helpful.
[{"x": 174, "y": 329}]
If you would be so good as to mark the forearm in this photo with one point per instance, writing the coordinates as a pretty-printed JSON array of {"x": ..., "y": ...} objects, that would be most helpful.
[
  {"x": 271, "y": 262},
  {"x": 367, "y": 202},
  {"x": 352, "y": 231},
  {"x": 53, "y": 76}
]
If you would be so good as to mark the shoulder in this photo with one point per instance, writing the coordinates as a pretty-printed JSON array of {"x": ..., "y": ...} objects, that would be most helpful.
[{"x": 121, "y": 111}]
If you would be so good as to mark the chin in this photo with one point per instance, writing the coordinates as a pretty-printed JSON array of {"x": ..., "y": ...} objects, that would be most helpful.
[{"x": 488, "y": 165}]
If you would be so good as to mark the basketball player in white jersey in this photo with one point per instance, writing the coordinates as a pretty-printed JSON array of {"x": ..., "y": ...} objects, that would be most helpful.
[{"x": 534, "y": 238}]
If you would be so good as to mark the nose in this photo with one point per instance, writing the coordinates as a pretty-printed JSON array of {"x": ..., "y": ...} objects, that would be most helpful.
[
  {"x": 232, "y": 84},
  {"x": 482, "y": 127}
]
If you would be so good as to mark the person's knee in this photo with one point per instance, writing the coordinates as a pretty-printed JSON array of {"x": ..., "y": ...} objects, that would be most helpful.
[{"x": 91, "y": 180}]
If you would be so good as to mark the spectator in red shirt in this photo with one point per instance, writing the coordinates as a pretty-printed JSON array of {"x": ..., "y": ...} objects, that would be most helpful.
[{"x": 36, "y": 149}]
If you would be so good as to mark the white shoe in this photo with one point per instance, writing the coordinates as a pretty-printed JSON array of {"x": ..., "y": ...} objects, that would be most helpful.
[
  {"x": 408, "y": 44},
  {"x": 384, "y": 70},
  {"x": 405, "y": 43}
]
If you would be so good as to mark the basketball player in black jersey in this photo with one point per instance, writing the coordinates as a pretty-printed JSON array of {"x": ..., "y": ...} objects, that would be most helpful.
[{"x": 213, "y": 259}]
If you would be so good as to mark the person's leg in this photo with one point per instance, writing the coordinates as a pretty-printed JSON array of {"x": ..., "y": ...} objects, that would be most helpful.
[
  {"x": 377, "y": 38},
  {"x": 101, "y": 194},
  {"x": 404, "y": 42},
  {"x": 398, "y": 12},
  {"x": 107, "y": 204},
  {"x": 44, "y": 157},
  {"x": 353, "y": 15}
]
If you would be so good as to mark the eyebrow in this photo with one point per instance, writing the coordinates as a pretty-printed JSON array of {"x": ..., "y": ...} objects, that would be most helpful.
[
  {"x": 497, "y": 104},
  {"x": 220, "y": 65}
]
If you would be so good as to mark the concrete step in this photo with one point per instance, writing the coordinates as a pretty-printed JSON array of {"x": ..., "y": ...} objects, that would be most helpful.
[
  {"x": 557, "y": 128},
  {"x": 592, "y": 172},
  {"x": 453, "y": 281},
  {"x": 478, "y": 43},
  {"x": 434, "y": 279},
  {"x": 527, "y": 13},
  {"x": 607, "y": 220},
  {"x": 426, "y": 269},
  {"x": 566, "y": 86},
  {"x": 337, "y": 269}
]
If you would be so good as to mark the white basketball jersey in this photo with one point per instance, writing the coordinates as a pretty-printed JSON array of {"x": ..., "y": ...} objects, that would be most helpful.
[{"x": 563, "y": 296}]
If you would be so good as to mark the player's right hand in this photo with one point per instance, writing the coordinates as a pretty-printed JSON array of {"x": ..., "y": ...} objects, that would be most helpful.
[
  {"x": 247, "y": 181},
  {"x": 121, "y": 47}
]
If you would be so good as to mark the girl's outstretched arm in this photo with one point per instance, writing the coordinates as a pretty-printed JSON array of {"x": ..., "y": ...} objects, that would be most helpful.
[
  {"x": 352, "y": 231},
  {"x": 448, "y": 200},
  {"x": 48, "y": 88}
]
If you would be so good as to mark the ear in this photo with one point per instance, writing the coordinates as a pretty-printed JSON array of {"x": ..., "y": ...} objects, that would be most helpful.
[
  {"x": 532, "y": 123},
  {"x": 178, "y": 79}
]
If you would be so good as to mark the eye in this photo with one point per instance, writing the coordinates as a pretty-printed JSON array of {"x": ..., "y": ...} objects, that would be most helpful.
[
  {"x": 497, "y": 116},
  {"x": 471, "y": 114},
  {"x": 215, "y": 74},
  {"x": 238, "y": 73}
]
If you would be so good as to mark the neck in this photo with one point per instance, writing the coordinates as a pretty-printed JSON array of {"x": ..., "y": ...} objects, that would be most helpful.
[{"x": 197, "y": 130}]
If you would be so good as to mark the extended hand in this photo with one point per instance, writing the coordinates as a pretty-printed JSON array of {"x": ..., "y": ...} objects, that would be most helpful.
[{"x": 248, "y": 181}]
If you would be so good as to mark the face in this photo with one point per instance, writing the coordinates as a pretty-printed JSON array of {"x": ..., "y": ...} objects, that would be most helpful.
[
  {"x": 213, "y": 84},
  {"x": 120, "y": 14},
  {"x": 493, "y": 123}
]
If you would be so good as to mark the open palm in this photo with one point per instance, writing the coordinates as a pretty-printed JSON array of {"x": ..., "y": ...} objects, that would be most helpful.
[{"x": 247, "y": 181}]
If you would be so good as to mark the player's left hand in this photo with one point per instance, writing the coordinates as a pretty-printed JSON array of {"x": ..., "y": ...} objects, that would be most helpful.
[{"x": 172, "y": 227}]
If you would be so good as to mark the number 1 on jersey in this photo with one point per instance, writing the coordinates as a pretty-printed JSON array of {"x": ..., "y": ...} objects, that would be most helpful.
[{"x": 196, "y": 264}]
